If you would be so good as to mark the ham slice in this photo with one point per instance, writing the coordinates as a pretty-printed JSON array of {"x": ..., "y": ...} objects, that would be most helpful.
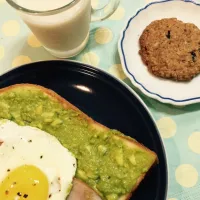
[{"x": 81, "y": 191}]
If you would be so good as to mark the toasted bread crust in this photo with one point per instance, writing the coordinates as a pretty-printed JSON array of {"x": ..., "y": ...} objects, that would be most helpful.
[{"x": 95, "y": 124}]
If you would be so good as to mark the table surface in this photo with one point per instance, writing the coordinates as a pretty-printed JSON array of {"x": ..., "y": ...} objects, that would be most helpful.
[{"x": 179, "y": 126}]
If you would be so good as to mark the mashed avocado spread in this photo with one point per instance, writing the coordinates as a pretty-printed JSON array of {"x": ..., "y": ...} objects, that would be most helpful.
[{"x": 104, "y": 162}]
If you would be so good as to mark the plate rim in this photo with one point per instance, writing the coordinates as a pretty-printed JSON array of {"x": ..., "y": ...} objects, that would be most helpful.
[
  {"x": 132, "y": 92},
  {"x": 131, "y": 76}
]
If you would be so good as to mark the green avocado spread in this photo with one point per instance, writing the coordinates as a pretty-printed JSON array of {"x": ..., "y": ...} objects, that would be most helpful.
[{"x": 104, "y": 161}]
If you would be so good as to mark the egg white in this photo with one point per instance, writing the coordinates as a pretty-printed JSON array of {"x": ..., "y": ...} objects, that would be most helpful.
[{"x": 24, "y": 145}]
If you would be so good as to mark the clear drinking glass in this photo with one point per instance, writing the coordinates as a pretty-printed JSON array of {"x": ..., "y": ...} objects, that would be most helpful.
[{"x": 63, "y": 31}]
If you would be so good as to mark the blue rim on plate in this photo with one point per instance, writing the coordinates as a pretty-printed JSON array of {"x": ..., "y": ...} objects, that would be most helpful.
[
  {"x": 108, "y": 101},
  {"x": 153, "y": 95}
]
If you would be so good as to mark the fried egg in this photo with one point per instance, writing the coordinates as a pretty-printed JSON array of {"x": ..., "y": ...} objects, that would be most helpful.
[{"x": 33, "y": 164}]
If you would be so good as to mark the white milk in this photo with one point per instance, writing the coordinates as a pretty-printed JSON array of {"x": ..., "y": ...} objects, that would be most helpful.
[
  {"x": 42, "y": 5},
  {"x": 64, "y": 34}
]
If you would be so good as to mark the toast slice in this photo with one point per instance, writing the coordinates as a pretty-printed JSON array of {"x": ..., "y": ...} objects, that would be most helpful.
[{"x": 110, "y": 163}]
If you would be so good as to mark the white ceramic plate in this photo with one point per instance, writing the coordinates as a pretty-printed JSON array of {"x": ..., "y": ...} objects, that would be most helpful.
[{"x": 166, "y": 91}]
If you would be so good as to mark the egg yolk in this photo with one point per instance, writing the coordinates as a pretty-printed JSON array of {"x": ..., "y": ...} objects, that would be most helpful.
[{"x": 25, "y": 182}]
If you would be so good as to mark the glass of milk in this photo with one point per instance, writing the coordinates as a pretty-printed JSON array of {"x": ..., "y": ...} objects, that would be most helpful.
[{"x": 62, "y": 26}]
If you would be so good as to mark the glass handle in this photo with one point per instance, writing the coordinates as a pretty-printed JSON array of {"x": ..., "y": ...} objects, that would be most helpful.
[{"x": 105, "y": 12}]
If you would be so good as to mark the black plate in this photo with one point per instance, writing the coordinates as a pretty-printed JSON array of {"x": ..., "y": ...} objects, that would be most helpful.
[{"x": 107, "y": 101}]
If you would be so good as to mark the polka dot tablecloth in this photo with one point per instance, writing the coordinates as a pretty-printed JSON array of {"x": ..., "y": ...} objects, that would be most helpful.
[{"x": 179, "y": 126}]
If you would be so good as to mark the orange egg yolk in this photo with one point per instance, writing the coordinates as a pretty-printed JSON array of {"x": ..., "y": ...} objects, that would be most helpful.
[{"x": 25, "y": 182}]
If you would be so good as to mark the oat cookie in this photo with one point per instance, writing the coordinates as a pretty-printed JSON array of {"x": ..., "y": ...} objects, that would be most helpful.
[{"x": 171, "y": 49}]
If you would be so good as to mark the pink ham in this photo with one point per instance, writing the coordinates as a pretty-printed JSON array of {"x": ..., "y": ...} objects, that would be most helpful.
[{"x": 81, "y": 191}]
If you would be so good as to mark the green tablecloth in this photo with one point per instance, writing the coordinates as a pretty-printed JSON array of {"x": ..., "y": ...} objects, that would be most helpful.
[{"x": 179, "y": 127}]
